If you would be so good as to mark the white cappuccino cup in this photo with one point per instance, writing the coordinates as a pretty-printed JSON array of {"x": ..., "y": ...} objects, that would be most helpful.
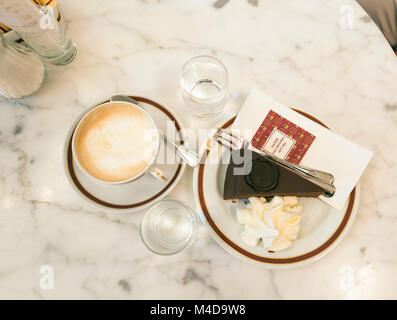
[{"x": 116, "y": 142}]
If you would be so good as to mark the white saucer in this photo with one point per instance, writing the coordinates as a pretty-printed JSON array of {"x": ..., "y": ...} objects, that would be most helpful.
[
  {"x": 322, "y": 226},
  {"x": 138, "y": 194}
]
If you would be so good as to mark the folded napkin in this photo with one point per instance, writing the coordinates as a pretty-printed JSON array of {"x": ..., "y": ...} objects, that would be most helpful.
[{"x": 273, "y": 127}]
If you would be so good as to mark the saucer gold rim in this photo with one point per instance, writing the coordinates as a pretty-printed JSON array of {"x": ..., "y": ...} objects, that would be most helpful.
[
  {"x": 268, "y": 262},
  {"x": 91, "y": 198}
]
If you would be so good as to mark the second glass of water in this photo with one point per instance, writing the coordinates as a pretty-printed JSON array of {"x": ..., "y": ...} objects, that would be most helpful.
[
  {"x": 168, "y": 227},
  {"x": 204, "y": 81}
]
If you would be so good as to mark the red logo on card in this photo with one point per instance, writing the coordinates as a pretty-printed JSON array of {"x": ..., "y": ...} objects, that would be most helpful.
[{"x": 282, "y": 138}]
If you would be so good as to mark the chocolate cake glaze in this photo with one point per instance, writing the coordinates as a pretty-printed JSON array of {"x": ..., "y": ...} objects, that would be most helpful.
[{"x": 265, "y": 179}]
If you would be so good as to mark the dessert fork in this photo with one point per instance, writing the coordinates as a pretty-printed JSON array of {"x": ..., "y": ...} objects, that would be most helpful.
[{"x": 234, "y": 141}]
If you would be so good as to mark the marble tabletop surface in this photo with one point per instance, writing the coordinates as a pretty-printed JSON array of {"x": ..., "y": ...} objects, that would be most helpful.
[{"x": 324, "y": 56}]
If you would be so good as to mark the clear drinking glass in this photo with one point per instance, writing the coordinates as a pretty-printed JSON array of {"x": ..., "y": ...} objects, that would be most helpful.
[
  {"x": 54, "y": 44},
  {"x": 39, "y": 27},
  {"x": 22, "y": 72},
  {"x": 204, "y": 81},
  {"x": 49, "y": 38},
  {"x": 168, "y": 227}
]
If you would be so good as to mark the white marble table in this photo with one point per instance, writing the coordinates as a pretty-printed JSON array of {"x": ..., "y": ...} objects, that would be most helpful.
[{"x": 326, "y": 57}]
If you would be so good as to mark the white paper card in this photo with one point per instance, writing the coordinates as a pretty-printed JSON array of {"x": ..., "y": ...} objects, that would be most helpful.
[{"x": 329, "y": 151}]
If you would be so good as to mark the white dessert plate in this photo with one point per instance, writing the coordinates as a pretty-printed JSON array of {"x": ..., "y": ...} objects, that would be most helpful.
[
  {"x": 322, "y": 226},
  {"x": 145, "y": 191}
]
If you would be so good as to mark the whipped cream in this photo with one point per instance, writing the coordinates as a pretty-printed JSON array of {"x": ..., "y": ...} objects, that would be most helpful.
[{"x": 275, "y": 223}]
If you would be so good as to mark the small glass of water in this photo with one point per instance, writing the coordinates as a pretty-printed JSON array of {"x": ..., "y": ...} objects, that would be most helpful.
[
  {"x": 168, "y": 227},
  {"x": 204, "y": 81}
]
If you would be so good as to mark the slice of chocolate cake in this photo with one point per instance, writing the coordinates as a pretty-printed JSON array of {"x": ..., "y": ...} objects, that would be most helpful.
[{"x": 264, "y": 180}]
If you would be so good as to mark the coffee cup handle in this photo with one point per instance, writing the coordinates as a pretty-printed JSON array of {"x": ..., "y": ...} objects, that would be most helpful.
[{"x": 158, "y": 174}]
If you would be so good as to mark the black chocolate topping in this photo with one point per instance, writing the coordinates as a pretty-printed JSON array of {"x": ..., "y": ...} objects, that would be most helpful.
[
  {"x": 263, "y": 175},
  {"x": 265, "y": 179}
]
